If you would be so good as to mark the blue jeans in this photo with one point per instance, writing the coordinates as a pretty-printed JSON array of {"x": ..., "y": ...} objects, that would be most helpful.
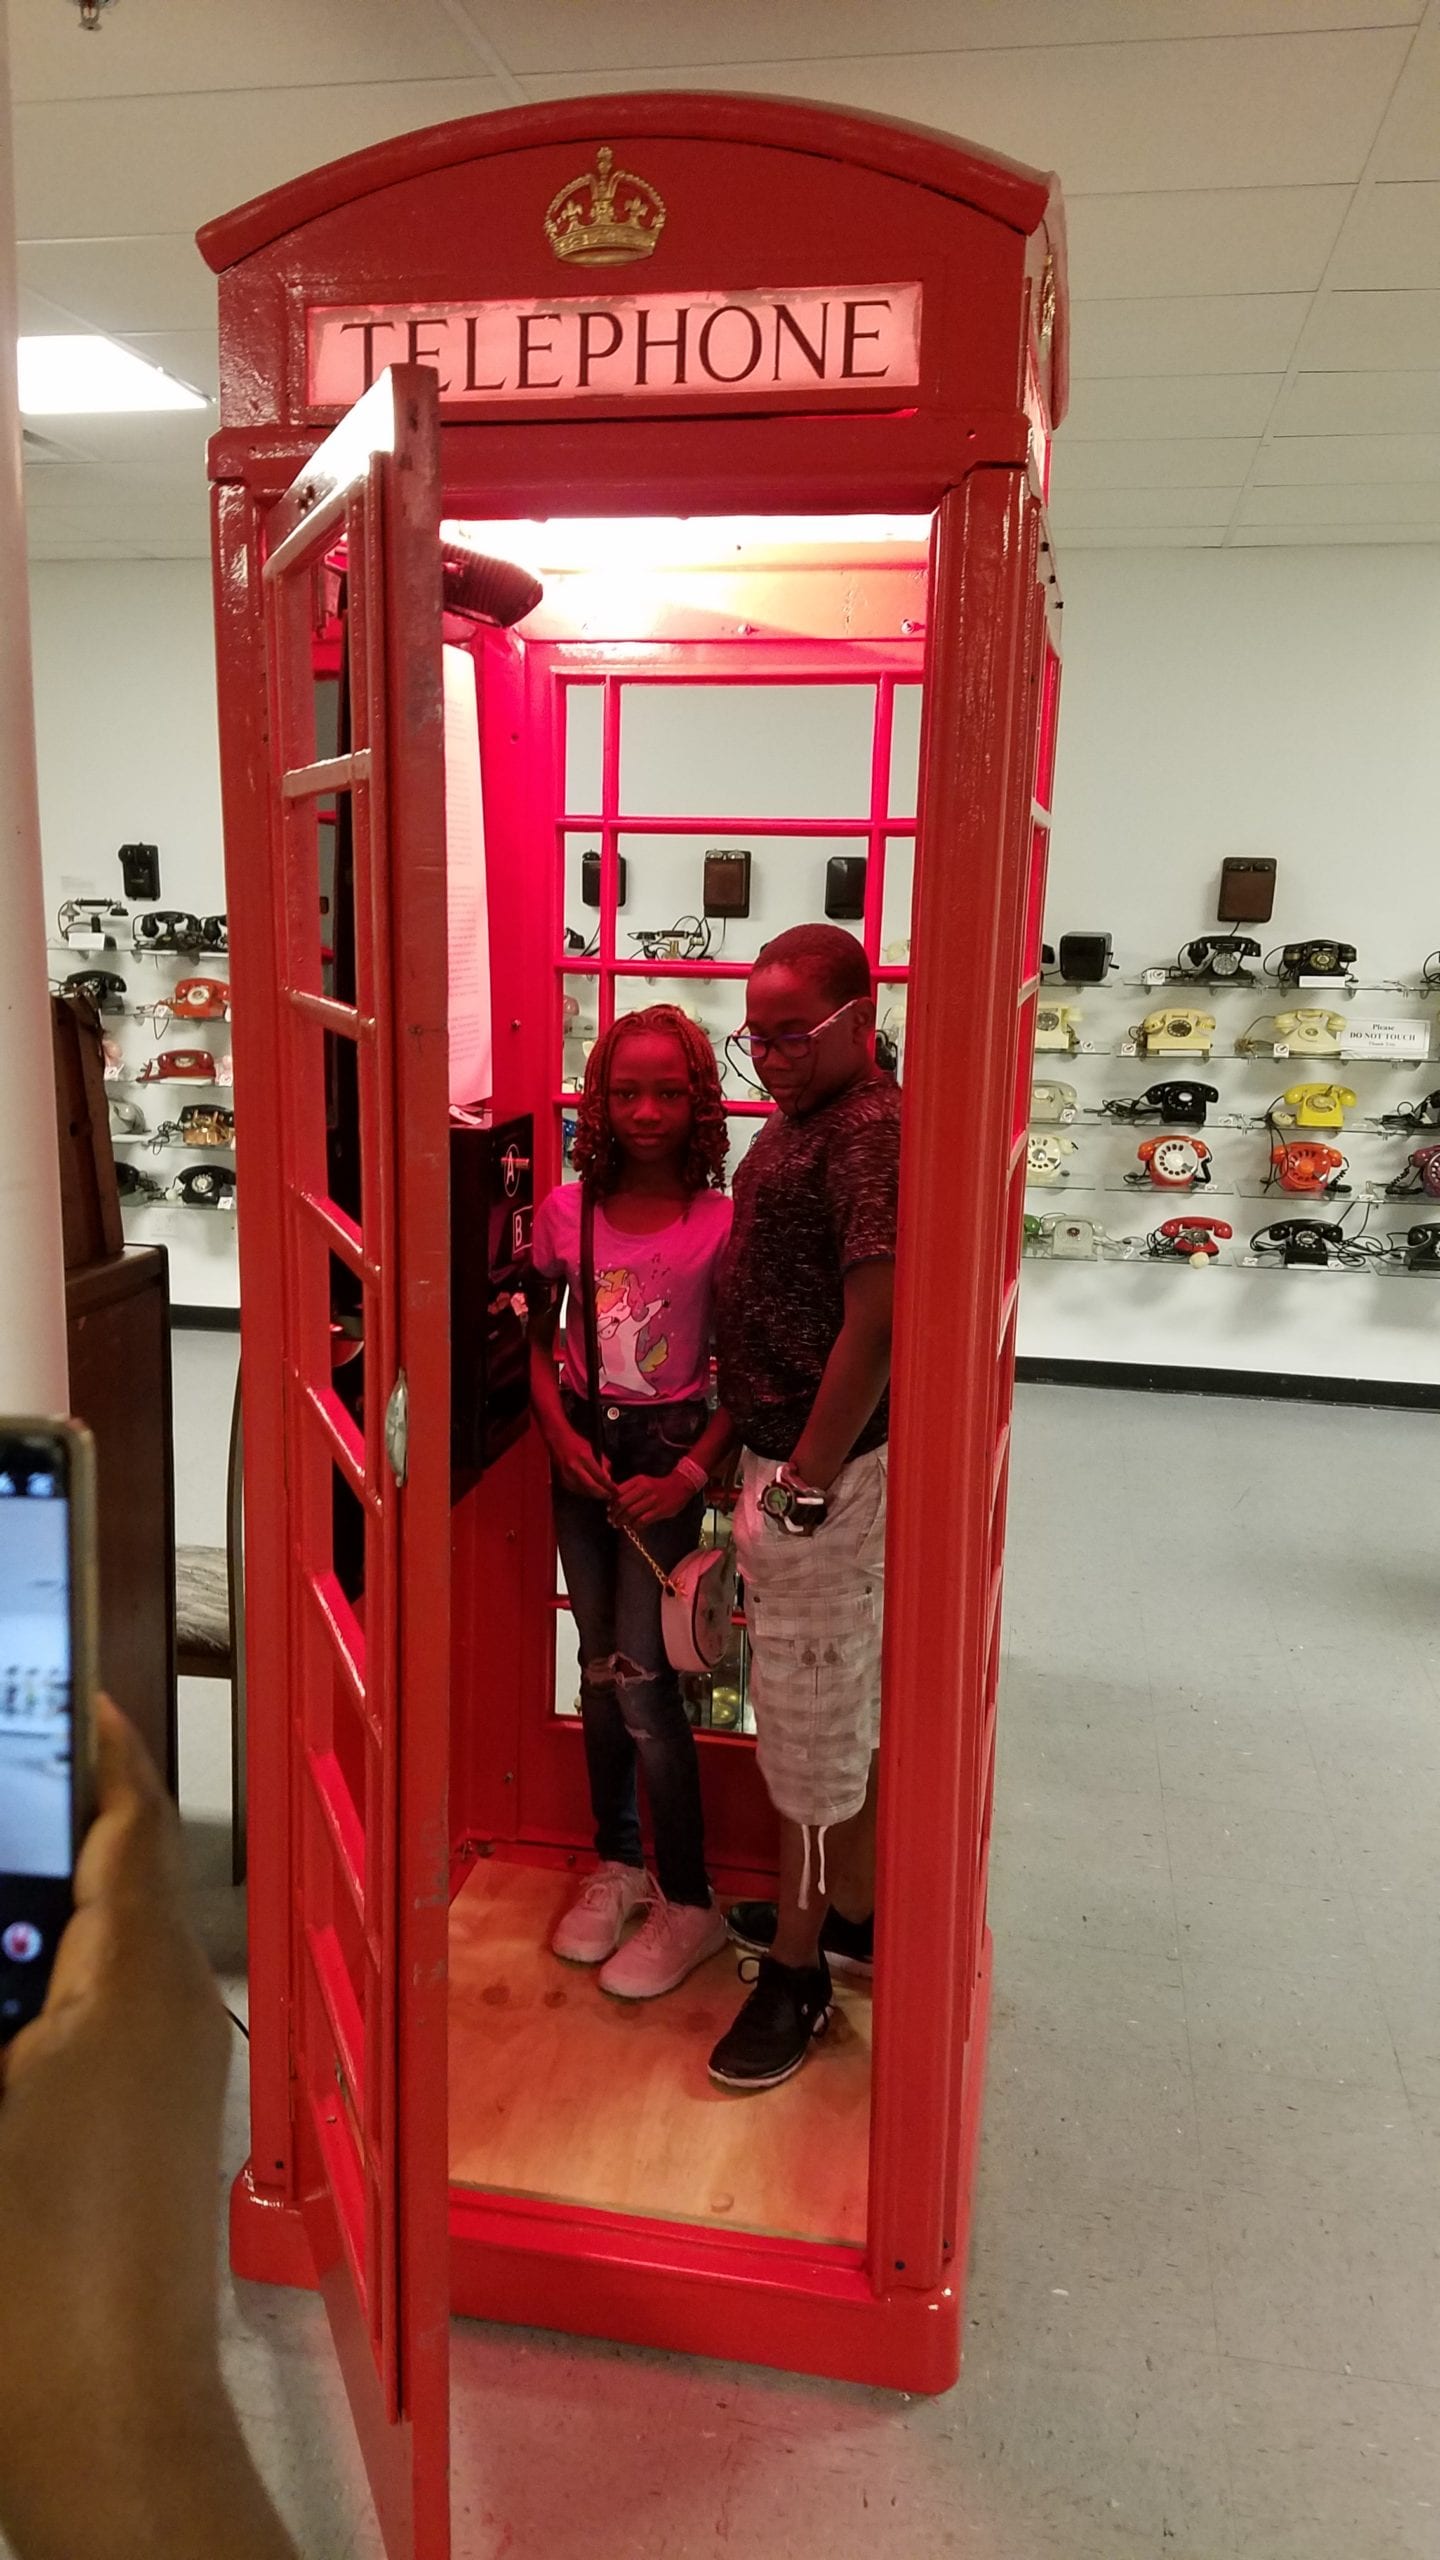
[{"x": 630, "y": 1702}]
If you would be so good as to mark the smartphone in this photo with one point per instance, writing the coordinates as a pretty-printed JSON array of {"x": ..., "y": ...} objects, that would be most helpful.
[{"x": 47, "y": 1689}]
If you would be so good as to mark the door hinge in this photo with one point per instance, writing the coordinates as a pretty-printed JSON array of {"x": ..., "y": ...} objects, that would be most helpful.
[{"x": 397, "y": 1428}]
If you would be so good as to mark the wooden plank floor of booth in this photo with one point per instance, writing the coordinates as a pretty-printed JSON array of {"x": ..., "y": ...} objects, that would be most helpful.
[{"x": 558, "y": 2091}]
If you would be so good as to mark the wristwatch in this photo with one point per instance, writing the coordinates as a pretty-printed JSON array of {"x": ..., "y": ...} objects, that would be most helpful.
[{"x": 798, "y": 1507}]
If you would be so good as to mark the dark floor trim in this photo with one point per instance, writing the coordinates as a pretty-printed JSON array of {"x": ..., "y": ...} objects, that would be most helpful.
[
  {"x": 205, "y": 1319},
  {"x": 1278, "y": 1385}
]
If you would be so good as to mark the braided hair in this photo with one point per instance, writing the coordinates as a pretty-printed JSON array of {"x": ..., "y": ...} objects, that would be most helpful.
[{"x": 595, "y": 1153}]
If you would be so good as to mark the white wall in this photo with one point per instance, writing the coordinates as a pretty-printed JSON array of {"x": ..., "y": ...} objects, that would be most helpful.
[
  {"x": 1280, "y": 702},
  {"x": 125, "y": 721},
  {"x": 1283, "y": 703}
]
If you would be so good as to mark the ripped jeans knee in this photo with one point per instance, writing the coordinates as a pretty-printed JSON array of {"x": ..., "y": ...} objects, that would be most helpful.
[{"x": 639, "y": 1693}]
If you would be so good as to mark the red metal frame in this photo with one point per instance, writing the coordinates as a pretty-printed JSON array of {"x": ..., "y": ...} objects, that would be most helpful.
[{"x": 456, "y": 213}]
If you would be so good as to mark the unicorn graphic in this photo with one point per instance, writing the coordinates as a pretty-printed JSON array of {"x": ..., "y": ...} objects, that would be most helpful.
[{"x": 626, "y": 1306}]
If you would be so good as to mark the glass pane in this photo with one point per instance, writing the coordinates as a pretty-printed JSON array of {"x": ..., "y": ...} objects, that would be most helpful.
[
  {"x": 745, "y": 1128},
  {"x": 665, "y": 878},
  {"x": 905, "y": 750},
  {"x": 735, "y": 750},
  {"x": 890, "y": 1011},
  {"x": 582, "y": 918},
  {"x": 579, "y": 1003},
  {"x": 895, "y": 905},
  {"x": 567, "y": 1666},
  {"x": 717, "y": 1004},
  {"x": 584, "y": 730}
]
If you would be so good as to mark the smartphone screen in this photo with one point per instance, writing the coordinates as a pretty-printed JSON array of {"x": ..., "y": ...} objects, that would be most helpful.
[{"x": 38, "y": 1810}]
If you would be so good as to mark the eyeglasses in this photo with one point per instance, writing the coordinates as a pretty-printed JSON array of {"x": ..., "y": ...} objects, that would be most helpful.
[{"x": 787, "y": 1044}]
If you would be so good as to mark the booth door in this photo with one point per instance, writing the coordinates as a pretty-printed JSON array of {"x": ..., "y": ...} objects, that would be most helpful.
[{"x": 361, "y": 942}]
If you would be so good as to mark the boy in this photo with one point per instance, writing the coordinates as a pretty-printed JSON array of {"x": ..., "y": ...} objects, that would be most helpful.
[{"x": 803, "y": 1317}]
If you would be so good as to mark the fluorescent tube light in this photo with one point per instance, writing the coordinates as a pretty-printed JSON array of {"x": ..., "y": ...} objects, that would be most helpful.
[{"x": 74, "y": 377}]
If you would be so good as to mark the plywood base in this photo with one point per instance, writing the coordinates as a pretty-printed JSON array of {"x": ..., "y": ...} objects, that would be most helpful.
[{"x": 558, "y": 2092}]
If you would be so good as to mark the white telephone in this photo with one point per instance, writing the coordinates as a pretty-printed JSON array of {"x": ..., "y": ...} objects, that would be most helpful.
[
  {"x": 1176, "y": 1032},
  {"x": 1049, "y": 1102},
  {"x": 1045, "y": 1158}
]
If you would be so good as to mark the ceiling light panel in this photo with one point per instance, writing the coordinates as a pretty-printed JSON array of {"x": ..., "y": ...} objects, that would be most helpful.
[{"x": 88, "y": 376}]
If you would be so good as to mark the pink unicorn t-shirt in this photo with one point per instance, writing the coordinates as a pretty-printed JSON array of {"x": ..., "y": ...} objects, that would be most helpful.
[{"x": 653, "y": 1297}]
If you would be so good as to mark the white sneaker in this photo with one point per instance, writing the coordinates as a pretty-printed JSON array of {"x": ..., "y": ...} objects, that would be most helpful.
[
  {"x": 675, "y": 1938},
  {"x": 593, "y": 1926}
]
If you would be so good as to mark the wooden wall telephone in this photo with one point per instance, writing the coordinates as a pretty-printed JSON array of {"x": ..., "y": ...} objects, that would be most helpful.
[
  {"x": 1319, "y": 1106},
  {"x": 1311, "y": 1029},
  {"x": 1056, "y": 1026},
  {"x": 1049, "y": 1102},
  {"x": 1176, "y": 1031},
  {"x": 1045, "y": 1158},
  {"x": 1194, "y": 1239},
  {"x": 1174, "y": 1164},
  {"x": 1305, "y": 1165}
]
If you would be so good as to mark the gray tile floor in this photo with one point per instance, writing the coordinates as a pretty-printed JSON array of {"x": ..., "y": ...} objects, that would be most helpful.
[{"x": 1204, "y": 2309}]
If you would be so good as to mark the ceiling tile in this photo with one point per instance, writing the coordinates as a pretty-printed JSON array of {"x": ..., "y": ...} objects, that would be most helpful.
[
  {"x": 1291, "y": 459},
  {"x": 1392, "y": 238},
  {"x": 1360, "y": 404},
  {"x": 221, "y": 44},
  {"x": 1209, "y": 333},
  {"x": 1141, "y": 538},
  {"x": 1360, "y": 332},
  {"x": 1230, "y": 240},
  {"x": 130, "y": 165},
  {"x": 1174, "y": 462},
  {"x": 1222, "y": 404},
  {"x": 612, "y": 35},
  {"x": 1411, "y": 148},
  {"x": 1413, "y": 502},
  {"x": 1297, "y": 110},
  {"x": 1092, "y": 510},
  {"x": 155, "y": 282},
  {"x": 1257, "y": 537},
  {"x": 192, "y": 355}
]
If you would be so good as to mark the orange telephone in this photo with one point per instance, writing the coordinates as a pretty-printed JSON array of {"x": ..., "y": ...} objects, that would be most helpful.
[{"x": 1307, "y": 1166}]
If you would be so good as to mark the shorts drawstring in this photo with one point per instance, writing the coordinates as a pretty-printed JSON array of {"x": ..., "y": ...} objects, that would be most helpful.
[{"x": 820, "y": 1829}]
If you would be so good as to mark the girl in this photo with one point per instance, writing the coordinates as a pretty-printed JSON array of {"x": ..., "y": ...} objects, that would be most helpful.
[{"x": 650, "y": 1148}]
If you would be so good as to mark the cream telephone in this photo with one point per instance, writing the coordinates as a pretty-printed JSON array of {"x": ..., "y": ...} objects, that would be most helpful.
[
  {"x": 1049, "y": 1102},
  {"x": 1045, "y": 1158},
  {"x": 1319, "y": 1106},
  {"x": 1057, "y": 1027},
  {"x": 1076, "y": 1239},
  {"x": 1176, "y": 1032},
  {"x": 1311, "y": 1030}
]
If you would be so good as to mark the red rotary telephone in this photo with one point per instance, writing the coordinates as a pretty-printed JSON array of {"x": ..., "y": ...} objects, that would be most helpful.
[
  {"x": 1194, "y": 1239},
  {"x": 179, "y": 1066},
  {"x": 200, "y": 1000},
  {"x": 1176, "y": 1164},
  {"x": 1307, "y": 1167}
]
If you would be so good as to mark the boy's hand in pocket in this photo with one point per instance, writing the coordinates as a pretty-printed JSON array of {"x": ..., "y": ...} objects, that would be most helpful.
[{"x": 641, "y": 1499}]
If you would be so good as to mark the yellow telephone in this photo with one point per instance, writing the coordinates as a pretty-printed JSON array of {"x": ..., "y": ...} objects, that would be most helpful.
[
  {"x": 1056, "y": 1026},
  {"x": 1311, "y": 1029},
  {"x": 1177, "y": 1032},
  {"x": 1319, "y": 1106}
]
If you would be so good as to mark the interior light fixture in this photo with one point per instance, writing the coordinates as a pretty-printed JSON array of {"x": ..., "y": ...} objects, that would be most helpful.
[
  {"x": 84, "y": 376},
  {"x": 627, "y": 543}
]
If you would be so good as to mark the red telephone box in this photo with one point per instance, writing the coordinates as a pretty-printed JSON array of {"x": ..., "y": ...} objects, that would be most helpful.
[{"x": 782, "y": 481}]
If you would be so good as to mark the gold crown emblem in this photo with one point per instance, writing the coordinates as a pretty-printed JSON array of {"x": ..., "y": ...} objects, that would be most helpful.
[{"x": 606, "y": 218}]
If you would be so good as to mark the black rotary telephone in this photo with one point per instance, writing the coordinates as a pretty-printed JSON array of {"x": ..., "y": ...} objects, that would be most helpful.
[
  {"x": 205, "y": 1186},
  {"x": 106, "y": 990},
  {"x": 166, "y": 929},
  {"x": 1422, "y": 1247},
  {"x": 1314, "y": 960},
  {"x": 1303, "y": 1244},
  {"x": 1219, "y": 955},
  {"x": 1421, "y": 1114},
  {"x": 1183, "y": 1103}
]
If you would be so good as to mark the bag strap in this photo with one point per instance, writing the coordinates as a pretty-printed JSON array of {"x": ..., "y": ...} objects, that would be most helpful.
[{"x": 592, "y": 1323}]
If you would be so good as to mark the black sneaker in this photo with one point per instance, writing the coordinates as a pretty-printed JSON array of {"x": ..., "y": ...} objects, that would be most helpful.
[
  {"x": 849, "y": 1944},
  {"x": 788, "y": 2007}
]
